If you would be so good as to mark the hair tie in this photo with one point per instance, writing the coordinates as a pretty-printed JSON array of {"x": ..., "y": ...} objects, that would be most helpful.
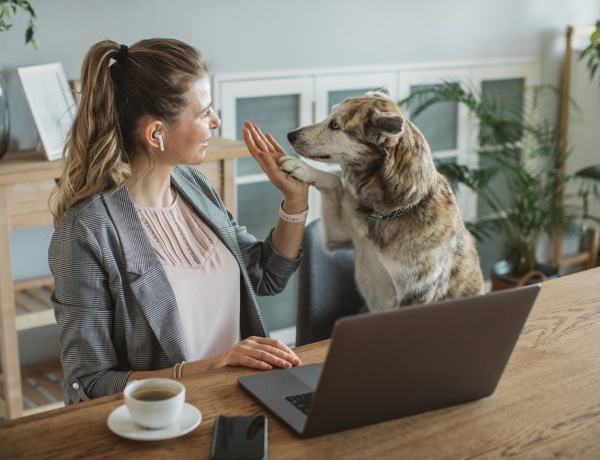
[{"x": 122, "y": 54}]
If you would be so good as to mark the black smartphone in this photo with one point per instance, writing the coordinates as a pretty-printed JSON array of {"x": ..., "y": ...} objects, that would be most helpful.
[{"x": 240, "y": 437}]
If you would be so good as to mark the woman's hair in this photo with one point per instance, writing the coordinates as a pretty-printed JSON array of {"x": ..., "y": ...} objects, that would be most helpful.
[{"x": 120, "y": 87}]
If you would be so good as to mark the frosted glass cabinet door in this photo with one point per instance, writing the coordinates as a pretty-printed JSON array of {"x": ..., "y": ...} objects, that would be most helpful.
[
  {"x": 277, "y": 115},
  {"x": 268, "y": 94},
  {"x": 506, "y": 83},
  {"x": 444, "y": 125},
  {"x": 278, "y": 106},
  {"x": 509, "y": 97}
]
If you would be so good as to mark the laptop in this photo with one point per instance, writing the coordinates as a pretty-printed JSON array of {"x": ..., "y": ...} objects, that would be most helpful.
[{"x": 386, "y": 365}]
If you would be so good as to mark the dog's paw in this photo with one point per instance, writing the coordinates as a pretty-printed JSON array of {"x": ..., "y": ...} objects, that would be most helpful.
[
  {"x": 298, "y": 169},
  {"x": 304, "y": 172}
]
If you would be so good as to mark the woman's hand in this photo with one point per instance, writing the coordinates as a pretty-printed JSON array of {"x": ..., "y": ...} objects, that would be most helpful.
[
  {"x": 254, "y": 352},
  {"x": 267, "y": 152},
  {"x": 260, "y": 353}
]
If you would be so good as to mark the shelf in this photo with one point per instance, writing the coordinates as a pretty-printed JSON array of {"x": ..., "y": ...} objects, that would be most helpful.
[
  {"x": 32, "y": 303},
  {"x": 42, "y": 388},
  {"x": 41, "y": 384}
]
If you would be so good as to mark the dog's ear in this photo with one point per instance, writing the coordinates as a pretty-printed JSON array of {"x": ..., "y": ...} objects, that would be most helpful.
[{"x": 386, "y": 125}]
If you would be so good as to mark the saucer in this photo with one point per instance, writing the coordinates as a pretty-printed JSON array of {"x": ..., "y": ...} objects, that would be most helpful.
[{"x": 120, "y": 422}]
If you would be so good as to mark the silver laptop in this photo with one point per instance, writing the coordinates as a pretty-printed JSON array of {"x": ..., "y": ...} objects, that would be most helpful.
[{"x": 381, "y": 366}]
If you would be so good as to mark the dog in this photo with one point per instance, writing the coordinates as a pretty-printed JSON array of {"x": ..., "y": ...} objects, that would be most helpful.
[{"x": 392, "y": 205}]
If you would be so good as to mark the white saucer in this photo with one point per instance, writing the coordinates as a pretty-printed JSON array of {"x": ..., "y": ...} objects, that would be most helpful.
[{"x": 120, "y": 422}]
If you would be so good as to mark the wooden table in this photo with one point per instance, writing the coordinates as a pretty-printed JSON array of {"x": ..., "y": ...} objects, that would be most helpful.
[
  {"x": 547, "y": 405},
  {"x": 26, "y": 179}
]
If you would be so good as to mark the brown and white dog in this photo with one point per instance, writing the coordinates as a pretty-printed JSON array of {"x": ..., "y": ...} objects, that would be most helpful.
[{"x": 392, "y": 205}]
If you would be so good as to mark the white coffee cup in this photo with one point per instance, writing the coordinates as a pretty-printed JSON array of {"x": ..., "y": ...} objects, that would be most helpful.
[{"x": 156, "y": 402}]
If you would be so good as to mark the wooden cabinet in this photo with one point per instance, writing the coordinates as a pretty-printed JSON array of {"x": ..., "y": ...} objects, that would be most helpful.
[{"x": 26, "y": 180}]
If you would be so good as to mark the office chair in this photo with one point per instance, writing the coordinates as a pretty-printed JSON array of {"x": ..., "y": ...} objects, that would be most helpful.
[{"x": 326, "y": 287}]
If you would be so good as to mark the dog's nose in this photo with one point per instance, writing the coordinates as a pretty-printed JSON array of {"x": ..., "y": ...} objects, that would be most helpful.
[{"x": 292, "y": 136}]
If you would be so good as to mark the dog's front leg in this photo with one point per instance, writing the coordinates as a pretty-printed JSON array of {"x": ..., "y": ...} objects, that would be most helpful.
[
  {"x": 335, "y": 214},
  {"x": 330, "y": 186}
]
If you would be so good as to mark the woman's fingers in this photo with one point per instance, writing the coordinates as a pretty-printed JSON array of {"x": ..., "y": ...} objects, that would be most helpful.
[
  {"x": 263, "y": 142},
  {"x": 262, "y": 353},
  {"x": 257, "y": 138},
  {"x": 278, "y": 148}
]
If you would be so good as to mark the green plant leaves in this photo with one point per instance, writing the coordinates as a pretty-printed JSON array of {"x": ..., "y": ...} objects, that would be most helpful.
[
  {"x": 592, "y": 52},
  {"x": 8, "y": 8}
]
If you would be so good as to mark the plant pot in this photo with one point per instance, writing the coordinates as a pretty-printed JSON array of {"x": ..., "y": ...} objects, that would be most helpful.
[
  {"x": 4, "y": 118},
  {"x": 501, "y": 279}
]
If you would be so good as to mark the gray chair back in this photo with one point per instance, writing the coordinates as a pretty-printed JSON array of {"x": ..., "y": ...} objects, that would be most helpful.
[{"x": 326, "y": 287}]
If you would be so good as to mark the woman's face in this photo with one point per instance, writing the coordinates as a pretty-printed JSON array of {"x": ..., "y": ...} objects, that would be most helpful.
[{"x": 186, "y": 140}]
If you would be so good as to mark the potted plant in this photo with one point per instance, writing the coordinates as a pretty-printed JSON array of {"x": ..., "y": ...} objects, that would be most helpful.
[
  {"x": 8, "y": 8},
  {"x": 520, "y": 177}
]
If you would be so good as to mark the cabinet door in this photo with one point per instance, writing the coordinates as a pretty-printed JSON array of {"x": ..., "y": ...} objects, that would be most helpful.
[
  {"x": 505, "y": 85},
  {"x": 445, "y": 125},
  {"x": 278, "y": 106}
]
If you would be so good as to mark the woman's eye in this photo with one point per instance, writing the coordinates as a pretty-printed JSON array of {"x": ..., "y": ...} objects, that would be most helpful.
[{"x": 334, "y": 125}]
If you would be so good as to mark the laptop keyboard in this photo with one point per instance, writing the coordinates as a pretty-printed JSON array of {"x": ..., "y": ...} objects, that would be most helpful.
[{"x": 301, "y": 401}]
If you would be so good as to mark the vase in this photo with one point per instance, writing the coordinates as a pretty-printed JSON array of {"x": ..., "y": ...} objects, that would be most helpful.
[
  {"x": 4, "y": 118},
  {"x": 501, "y": 278}
]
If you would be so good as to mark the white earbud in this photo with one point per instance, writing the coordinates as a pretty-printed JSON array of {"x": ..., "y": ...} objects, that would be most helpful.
[{"x": 161, "y": 144}]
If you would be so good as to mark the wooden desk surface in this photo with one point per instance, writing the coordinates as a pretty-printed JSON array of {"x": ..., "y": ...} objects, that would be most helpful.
[{"x": 547, "y": 405}]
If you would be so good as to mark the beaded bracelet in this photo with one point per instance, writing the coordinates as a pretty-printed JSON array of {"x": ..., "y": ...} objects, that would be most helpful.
[{"x": 292, "y": 218}]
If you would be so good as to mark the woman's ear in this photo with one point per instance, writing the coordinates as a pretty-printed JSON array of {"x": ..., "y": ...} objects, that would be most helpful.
[{"x": 153, "y": 132}]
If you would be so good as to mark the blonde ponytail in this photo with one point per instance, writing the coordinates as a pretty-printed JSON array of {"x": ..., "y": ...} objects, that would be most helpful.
[{"x": 119, "y": 86}]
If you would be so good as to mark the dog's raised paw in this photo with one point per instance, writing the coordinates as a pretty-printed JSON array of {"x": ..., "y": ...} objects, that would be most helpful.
[{"x": 297, "y": 168}]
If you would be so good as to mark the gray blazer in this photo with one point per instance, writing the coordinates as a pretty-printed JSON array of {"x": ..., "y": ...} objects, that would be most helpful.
[{"x": 115, "y": 309}]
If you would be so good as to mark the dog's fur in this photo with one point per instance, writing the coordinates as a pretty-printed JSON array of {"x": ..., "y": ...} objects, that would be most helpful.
[{"x": 392, "y": 206}]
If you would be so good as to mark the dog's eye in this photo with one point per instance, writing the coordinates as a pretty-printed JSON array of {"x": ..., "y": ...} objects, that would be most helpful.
[{"x": 333, "y": 125}]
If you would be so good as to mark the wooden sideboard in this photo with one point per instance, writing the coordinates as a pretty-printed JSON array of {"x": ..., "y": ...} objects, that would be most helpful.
[{"x": 26, "y": 179}]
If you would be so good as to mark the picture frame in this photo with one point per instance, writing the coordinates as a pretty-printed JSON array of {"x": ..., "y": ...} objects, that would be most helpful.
[{"x": 52, "y": 105}]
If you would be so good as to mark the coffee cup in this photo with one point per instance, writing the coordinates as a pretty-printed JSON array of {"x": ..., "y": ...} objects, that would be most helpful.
[{"x": 154, "y": 403}]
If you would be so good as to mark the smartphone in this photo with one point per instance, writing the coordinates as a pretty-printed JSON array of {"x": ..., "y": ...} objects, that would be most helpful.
[{"x": 240, "y": 437}]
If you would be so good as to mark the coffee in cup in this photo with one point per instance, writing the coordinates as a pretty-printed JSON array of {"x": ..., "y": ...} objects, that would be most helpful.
[{"x": 154, "y": 403}]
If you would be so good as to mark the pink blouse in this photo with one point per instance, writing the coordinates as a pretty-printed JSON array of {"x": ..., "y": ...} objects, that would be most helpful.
[{"x": 203, "y": 273}]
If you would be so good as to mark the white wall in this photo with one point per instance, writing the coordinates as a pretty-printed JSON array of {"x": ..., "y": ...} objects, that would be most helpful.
[
  {"x": 257, "y": 35},
  {"x": 247, "y": 35}
]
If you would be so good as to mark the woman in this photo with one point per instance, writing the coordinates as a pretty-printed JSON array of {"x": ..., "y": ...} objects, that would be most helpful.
[{"x": 153, "y": 276}]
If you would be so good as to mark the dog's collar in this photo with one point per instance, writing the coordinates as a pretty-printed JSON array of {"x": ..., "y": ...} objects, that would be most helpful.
[{"x": 396, "y": 213}]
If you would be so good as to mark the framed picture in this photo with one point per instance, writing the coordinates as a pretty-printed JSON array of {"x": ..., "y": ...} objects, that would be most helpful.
[{"x": 52, "y": 105}]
